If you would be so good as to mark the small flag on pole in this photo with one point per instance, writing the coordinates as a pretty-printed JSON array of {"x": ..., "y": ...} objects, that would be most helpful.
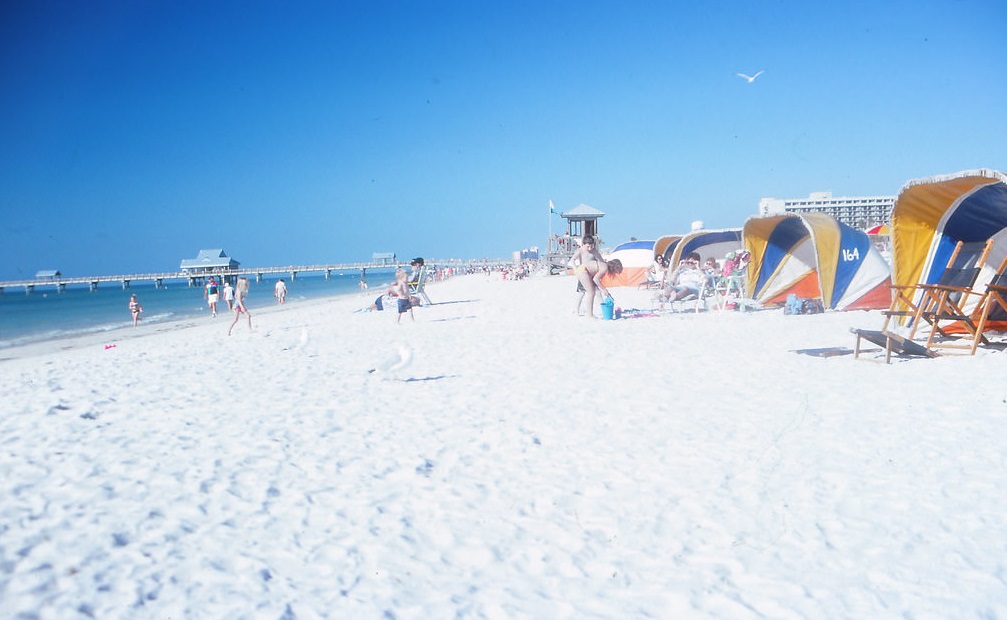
[{"x": 552, "y": 209}]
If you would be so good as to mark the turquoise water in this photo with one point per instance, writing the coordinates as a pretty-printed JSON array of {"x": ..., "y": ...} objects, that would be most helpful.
[{"x": 46, "y": 314}]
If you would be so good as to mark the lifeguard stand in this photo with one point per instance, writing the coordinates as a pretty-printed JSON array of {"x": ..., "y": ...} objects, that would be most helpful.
[{"x": 580, "y": 221}]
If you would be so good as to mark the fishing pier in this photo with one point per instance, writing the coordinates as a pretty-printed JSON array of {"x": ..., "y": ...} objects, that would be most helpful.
[{"x": 60, "y": 282}]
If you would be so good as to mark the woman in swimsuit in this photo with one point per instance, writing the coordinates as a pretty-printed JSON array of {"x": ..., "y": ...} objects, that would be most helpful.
[
  {"x": 240, "y": 295},
  {"x": 135, "y": 309},
  {"x": 591, "y": 269}
]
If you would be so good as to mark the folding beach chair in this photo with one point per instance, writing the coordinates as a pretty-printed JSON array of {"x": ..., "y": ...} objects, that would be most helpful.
[
  {"x": 945, "y": 304},
  {"x": 727, "y": 285},
  {"x": 707, "y": 296},
  {"x": 994, "y": 297},
  {"x": 916, "y": 303},
  {"x": 419, "y": 286},
  {"x": 891, "y": 343}
]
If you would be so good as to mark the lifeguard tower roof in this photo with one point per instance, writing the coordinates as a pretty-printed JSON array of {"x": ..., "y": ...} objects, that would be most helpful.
[{"x": 582, "y": 212}]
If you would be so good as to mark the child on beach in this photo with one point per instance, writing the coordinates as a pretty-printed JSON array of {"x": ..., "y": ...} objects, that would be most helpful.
[
  {"x": 401, "y": 290},
  {"x": 229, "y": 295},
  {"x": 135, "y": 309},
  {"x": 240, "y": 294}
]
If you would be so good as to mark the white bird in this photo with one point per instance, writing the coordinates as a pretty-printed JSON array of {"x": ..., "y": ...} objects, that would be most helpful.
[
  {"x": 397, "y": 362},
  {"x": 750, "y": 78}
]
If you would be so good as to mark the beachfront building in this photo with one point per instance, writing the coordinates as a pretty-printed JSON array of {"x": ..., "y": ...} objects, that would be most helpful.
[
  {"x": 860, "y": 212},
  {"x": 208, "y": 261}
]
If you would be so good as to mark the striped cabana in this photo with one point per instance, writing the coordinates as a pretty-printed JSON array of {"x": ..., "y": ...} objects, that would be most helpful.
[{"x": 812, "y": 255}]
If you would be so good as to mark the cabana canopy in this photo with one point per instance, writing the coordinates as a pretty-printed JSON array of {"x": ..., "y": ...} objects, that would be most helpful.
[
  {"x": 665, "y": 246},
  {"x": 812, "y": 255},
  {"x": 931, "y": 215},
  {"x": 707, "y": 243},
  {"x": 637, "y": 258}
]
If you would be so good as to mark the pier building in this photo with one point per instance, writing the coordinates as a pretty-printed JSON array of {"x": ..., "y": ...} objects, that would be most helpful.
[{"x": 208, "y": 261}]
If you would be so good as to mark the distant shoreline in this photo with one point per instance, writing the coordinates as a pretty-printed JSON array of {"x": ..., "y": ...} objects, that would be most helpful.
[
  {"x": 45, "y": 345},
  {"x": 50, "y": 316}
]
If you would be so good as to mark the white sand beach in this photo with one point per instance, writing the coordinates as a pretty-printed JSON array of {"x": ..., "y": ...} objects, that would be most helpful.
[{"x": 527, "y": 463}]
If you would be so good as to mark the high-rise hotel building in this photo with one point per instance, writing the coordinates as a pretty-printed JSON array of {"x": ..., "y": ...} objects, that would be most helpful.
[{"x": 861, "y": 212}]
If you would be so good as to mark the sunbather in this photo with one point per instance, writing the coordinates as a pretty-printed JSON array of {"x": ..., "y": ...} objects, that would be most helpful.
[{"x": 686, "y": 280}]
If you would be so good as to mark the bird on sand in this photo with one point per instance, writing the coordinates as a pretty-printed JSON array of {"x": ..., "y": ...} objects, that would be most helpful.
[
  {"x": 750, "y": 78},
  {"x": 391, "y": 366}
]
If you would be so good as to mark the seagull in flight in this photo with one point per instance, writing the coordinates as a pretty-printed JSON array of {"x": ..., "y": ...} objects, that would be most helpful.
[{"x": 750, "y": 78}]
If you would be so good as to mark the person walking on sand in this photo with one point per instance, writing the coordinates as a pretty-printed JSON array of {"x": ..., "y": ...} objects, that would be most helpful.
[
  {"x": 240, "y": 295},
  {"x": 229, "y": 295},
  {"x": 211, "y": 295},
  {"x": 401, "y": 290},
  {"x": 590, "y": 270},
  {"x": 280, "y": 291},
  {"x": 135, "y": 309}
]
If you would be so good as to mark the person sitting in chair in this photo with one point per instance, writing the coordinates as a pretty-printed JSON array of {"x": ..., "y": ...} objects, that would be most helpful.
[
  {"x": 415, "y": 267},
  {"x": 658, "y": 275},
  {"x": 686, "y": 280}
]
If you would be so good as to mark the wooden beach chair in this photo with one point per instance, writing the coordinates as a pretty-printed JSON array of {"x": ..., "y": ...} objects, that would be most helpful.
[
  {"x": 916, "y": 303},
  {"x": 891, "y": 343},
  {"x": 994, "y": 297},
  {"x": 944, "y": 304}
]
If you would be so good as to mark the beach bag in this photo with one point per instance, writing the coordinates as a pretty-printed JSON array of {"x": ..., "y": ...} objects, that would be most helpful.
[
  {"x": 812, "y": 306},
  {"x": 793, "y": 305}
]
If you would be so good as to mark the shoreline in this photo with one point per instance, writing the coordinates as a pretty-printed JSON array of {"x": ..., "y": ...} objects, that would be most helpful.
[{"x": 126, "y": 332}]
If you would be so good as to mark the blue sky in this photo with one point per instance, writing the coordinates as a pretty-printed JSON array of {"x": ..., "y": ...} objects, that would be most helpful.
[{"x": 132, "y": 134}]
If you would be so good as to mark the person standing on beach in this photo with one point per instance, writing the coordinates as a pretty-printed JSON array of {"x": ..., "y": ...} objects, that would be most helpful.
[
  {"x": 280, "y": 291},
  {"x": 211, "y": 295},
  {"x": 590, "y": 270},
  {"x": 229, "y": 295},
  {"x": 240, "y": 295},
  {"x": 135, "y": 309}
]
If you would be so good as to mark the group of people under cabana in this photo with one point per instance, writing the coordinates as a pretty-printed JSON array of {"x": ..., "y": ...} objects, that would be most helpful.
[{"x": 690, "y": 277}]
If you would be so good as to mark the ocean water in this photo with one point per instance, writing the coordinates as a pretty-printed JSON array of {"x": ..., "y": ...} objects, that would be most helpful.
[{"x": 46, "y": 314}]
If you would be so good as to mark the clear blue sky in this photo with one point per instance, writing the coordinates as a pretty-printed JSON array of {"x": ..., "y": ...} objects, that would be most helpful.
[{"x": 132, "y": 134}]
